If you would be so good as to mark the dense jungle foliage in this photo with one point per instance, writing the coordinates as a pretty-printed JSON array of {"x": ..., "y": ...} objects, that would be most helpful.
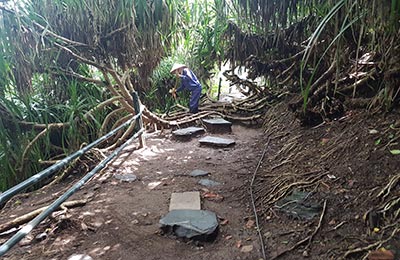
[{"x": 68, "y": 68}]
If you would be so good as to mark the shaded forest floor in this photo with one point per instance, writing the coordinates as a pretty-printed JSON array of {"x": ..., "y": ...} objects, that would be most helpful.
[{"x": 343, "y": 163}]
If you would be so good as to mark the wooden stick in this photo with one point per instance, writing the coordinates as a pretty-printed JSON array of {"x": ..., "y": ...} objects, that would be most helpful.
[{"x": 31, "y": 215}]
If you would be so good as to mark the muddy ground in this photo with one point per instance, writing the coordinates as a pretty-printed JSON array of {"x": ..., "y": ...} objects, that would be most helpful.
[{"x": 343, "y": 164}]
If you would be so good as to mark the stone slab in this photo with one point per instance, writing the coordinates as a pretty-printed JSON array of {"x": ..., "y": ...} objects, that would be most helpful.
[
  {"x": 296, "y": 206},
  {"x": 208, "y": 183},
  {"x": 198, "y": 173},
  {"x": 185, "y": 200},
  {"x": 216, "y": 141},
  {"x": 189, "y": 131},
  {"x": 217, "y": 121},
  {"x": 217, "y": 125},
  {"x": 125, "y": 177},
  {"x": 192, "y": 224}
]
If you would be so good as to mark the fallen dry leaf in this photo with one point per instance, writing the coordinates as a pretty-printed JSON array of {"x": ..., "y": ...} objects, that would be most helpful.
[
  {"x": 250, "y": 224},
  {"x": 246, "y": 249},
  {"x": 224, "y": 222},
  {"x": 212, "y": 196},
  {"x": 84, "y": 227},
  {"x": 381, "y": 254},
  {"x": 332, "y": 222}
]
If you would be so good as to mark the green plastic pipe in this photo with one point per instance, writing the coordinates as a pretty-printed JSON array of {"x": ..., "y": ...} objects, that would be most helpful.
[{"x": 5, "y": 196}]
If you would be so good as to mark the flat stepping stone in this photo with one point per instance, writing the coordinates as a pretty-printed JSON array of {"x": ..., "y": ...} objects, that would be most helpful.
[
  {"x": 187, "y": 132},
  {"x": 217, "y": 125},
  {"x": 216, "y": 141},
  {"x": 125, "y": 177},
  {"x": 193, "y": 224},
  {"x": 198, "y": 173},
  {"x": 185, "y": 200},
  {"x": 208, "y": 183},
  {"x": 296, "y": 206}
]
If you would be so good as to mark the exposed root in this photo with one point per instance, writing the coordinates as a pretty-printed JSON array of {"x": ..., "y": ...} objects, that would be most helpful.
[{"x": 376, "y": 245}]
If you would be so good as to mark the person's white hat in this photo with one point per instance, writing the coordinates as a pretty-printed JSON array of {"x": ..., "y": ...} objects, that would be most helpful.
[{"x": 177, "y": 66}]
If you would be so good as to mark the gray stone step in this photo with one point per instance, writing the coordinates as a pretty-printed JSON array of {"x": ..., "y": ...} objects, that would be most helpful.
[
  {"x": 216, "y": 141},
  {"x": 217, "y": 125},
  {"x": 185, "y": 200},
  {"x": 198, "y": 173},
  {"x": 186, "y": 133},
  {"x": 194, "y": 224},
  {"x": 208, "y": 183},
  {"x": 127, "y": 177}
]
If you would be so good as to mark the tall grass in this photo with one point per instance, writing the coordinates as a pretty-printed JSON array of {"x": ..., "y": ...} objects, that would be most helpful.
[{"x": 55, "y": 144}]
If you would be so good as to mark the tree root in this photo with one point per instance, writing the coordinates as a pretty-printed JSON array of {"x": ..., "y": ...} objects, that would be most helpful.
[
  {"x": 107, "y": 119},
  {"x": 375, "y": 245},
  {"x": 185, "y": 118},
  {"x": 388, "y": 188}
]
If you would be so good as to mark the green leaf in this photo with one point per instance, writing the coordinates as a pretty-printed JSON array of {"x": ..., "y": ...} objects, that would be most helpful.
[
  {"x": 377, "y": 142},
  {"x": 395, "y": 152}
]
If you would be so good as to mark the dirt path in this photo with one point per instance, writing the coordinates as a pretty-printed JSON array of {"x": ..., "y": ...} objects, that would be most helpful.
[{"x": 120, "y": 221}]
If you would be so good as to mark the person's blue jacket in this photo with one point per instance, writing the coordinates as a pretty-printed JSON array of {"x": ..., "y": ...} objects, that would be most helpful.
[{"x": 189, "y": 81}]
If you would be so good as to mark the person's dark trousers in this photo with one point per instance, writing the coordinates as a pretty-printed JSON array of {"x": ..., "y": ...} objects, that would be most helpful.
[{"x": 194, "y": 100}]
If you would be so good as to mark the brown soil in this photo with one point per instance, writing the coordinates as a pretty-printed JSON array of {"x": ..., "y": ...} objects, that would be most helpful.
[
  {"x": 340, "y": 162},
  {"x": 120, "y": 221}
]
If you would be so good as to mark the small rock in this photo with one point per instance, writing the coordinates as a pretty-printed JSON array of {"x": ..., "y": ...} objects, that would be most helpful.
[
  {"x": 80, "y": 257},
  {"x": 373, "y": 131},
  {"x": 305, "y": 253},
  {"x": 208, "y": 183},
  {"x": 41, "y": 236},
  {"x": 125, "y": 177},
  {"x": 198, "y": 173},
  {"x": 246, "y": 249}
]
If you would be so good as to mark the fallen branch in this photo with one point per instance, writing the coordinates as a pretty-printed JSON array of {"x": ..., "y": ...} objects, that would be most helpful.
[
  {"x": 31, "y": 215},
  {"x": 31, "y": 143}
]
